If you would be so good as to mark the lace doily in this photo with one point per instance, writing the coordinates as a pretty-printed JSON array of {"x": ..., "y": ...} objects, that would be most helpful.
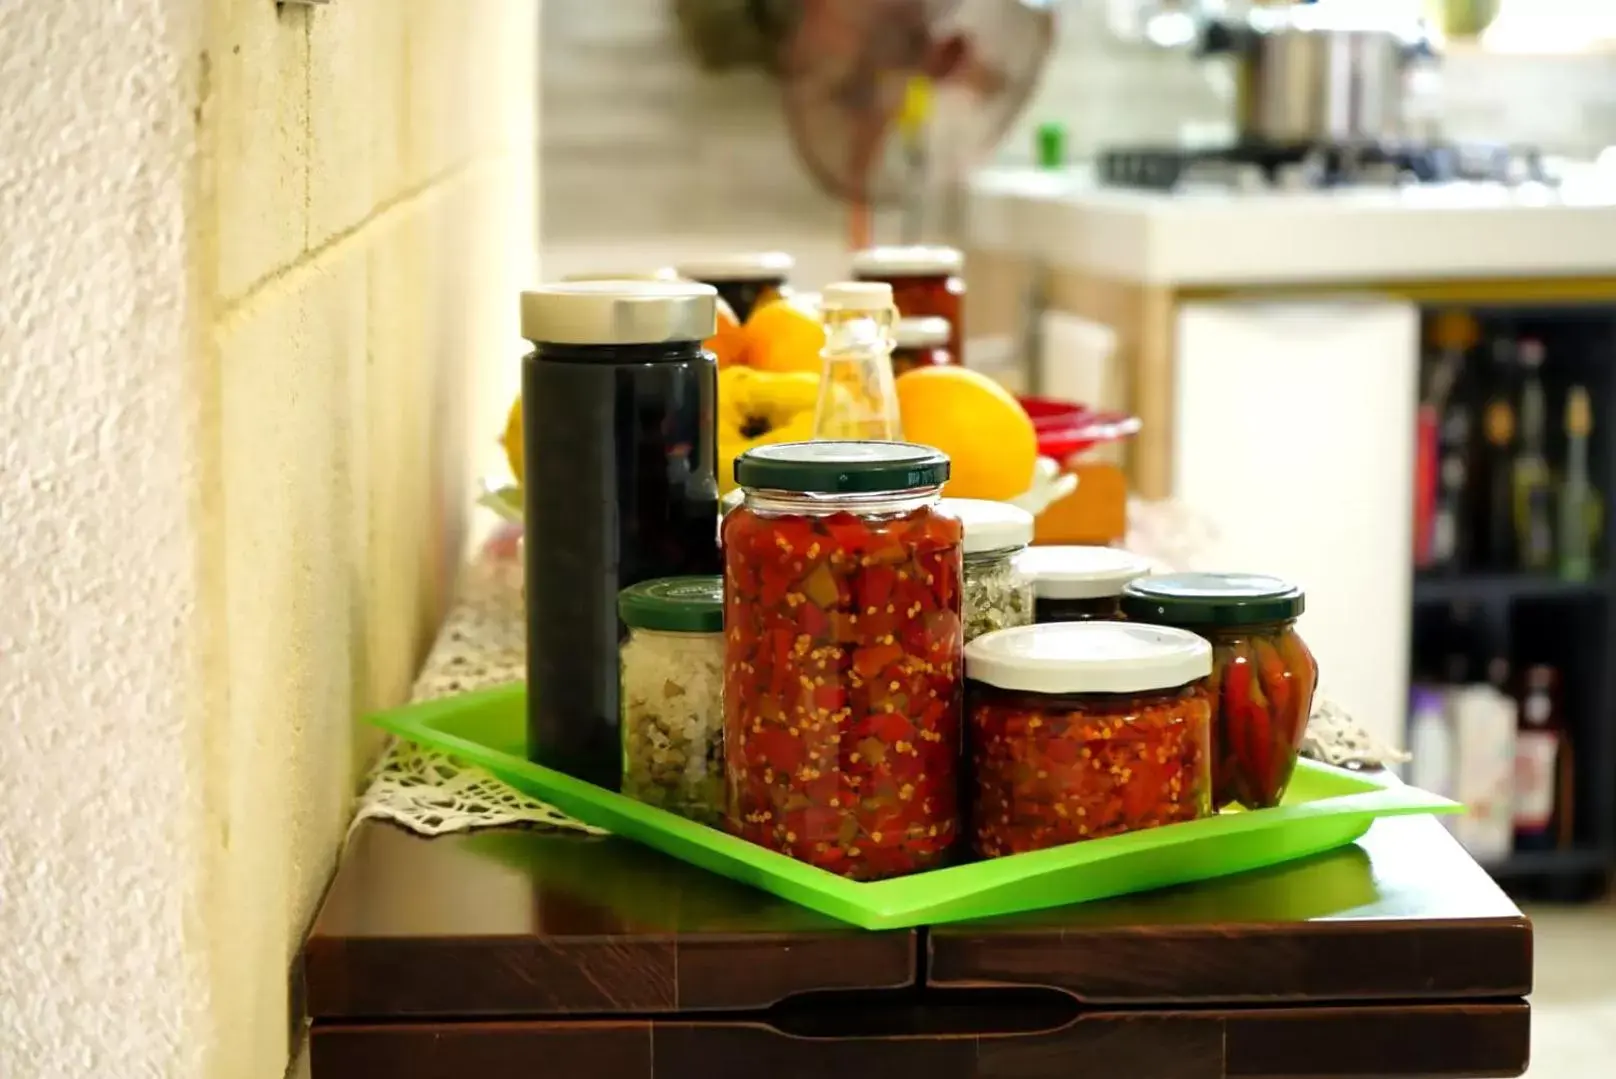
[{"x": 483, "y": 644}]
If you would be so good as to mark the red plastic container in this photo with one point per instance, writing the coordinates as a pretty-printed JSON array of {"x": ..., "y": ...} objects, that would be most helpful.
[{"x": 1066, "y": 430}]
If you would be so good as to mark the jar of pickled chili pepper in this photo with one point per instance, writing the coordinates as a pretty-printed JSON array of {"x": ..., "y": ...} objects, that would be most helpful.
[
  {"x": 998, "y": 594},
  {"x": 1080, "y": 584},
  {"x": 920, "y": 342},
  {"x": 843, "y": 660},
  {"x": 744, "y": 281},
  {"x": 1080, "y": 730},
  {"x": 1263, "y": 675},
  {"x": 926, "y": 283}
]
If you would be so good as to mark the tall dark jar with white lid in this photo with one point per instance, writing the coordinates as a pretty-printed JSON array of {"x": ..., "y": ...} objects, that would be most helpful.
[{"x": 619, "y": 407}]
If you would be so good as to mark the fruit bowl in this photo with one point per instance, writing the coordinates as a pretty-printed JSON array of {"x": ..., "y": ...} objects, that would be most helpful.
[{"x": 1066, "y": 430}]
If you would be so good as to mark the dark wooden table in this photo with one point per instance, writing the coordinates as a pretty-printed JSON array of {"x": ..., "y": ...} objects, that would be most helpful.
[{"x": 518, "y": 953}]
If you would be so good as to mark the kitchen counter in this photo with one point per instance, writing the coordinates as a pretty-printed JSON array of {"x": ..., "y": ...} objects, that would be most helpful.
[{"x": 1214, "y": 238}]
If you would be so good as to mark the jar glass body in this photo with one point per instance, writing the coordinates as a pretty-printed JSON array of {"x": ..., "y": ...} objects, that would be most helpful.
[
  {"x": 746, "y": 294},
  {"x": 923, "y": 295},
  {"x": 621, "y": 445},
  {"x": 1263, "y": 679},
  {"x": 843, "y": 678},
  {"x": 1049, "y": 769},
  {"x": 1087, "y": 609},
  {"x": 998, "y": 595},
  {"x": 908, "y": 358},
  {"x": 673, "y": 722}
]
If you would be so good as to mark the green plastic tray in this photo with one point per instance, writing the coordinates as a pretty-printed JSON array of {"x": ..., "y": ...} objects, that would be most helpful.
[{"x": 1325, "y": 808}]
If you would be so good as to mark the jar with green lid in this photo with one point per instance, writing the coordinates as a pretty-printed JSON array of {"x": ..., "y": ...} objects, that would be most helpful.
[
  {"x": 998, "y": 594},
  {"x": 1080, "y": 584},
  {"x": 1263, "y": 673},
  {"x": 843, "y": 681},
  {"x": 672, "y": 666},
  {"x": 1081, "y": 730}
]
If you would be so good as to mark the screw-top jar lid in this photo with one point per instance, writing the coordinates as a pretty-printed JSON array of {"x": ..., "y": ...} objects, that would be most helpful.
[
  {"x": 674, "y": 605},
  {"x": 859, "y": 295},
  {"x": 915, "y": 260},
  {"x": 743, "y": 266},
  {"x": 989, "y": 526},
  {"x": 1081, "y": 572},
  {"x": 1212, "y": 599},
  {"x": 832, "y": 467},
  {"x": 619, "y": 312},
  {"x": 1088, "y": 657},
  {"x": 660, "y": 273},
  {"x": 930, "y": 332}
]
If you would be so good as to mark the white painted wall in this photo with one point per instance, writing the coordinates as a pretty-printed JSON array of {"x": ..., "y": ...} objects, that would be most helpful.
[{"x": 258, "y": 271}]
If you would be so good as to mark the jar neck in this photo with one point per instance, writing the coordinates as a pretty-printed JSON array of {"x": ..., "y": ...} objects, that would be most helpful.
[
  {"x": 998, "y": 554},
  {"x": 660, "y": 352},
  {"x": 1250, "y": 629},
  {"x": 674, "y": 634},
  {"x": 809, "y": 504}
]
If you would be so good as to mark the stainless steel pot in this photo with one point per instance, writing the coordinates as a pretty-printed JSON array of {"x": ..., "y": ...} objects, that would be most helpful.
[{"x": 1301, "y": 81}]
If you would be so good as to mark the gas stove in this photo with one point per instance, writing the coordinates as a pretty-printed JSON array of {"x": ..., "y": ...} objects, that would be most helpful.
[{"x": 1261, "y": 168}]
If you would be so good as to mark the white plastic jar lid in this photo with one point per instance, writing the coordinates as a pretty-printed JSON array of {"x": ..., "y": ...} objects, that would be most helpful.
[
  {"x": 916, "y": 259},
  {"x": 928, "y": 332},
  {"x": 1081, "y": 572},
  {"x": 746, "y": 266},
  {"x": 1088, "y": 657},
  {"x": 989, "y": 525}
]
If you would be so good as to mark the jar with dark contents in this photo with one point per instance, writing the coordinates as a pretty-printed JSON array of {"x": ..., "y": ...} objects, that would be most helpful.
[
  {"x": 926, "y": 283},
  {"x": 1081, "y": 730},
  {"x": 1080, "y": 584},
  {"x": 745, "y": 281},
  {"x": 619, "y": 412},
  {"x": 998, "y": 594},
  {"x": 920, "y": 342},
  {"x": 1263, "y": 674},
  {"x": 843, "y": 667}
]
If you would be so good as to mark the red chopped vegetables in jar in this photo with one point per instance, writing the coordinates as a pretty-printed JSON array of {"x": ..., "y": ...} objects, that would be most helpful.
[
  {"x": 1263, "y": 673},
  {"x": 1085, "y": 730},
  {"x": 843, "y": 668}
]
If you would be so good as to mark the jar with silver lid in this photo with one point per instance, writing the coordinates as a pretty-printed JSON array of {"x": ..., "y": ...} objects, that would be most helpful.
[
  {"x": 997, "y": 591},
  {"x": 745, "y": 281},
  {"x": 619, "y": 406}
]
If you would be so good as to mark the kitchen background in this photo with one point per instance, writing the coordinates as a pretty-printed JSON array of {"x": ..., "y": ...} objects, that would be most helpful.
[{"x": 642, "y": 147}]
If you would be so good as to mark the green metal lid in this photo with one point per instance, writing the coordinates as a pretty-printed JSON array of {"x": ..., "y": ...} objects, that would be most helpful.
[
  {"x": 674, "y": 605},
  {"x": 841, "y": 468},
  {"x": 1211, "y": 599}
]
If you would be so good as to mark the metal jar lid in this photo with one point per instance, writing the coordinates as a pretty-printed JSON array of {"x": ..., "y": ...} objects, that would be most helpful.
[
  {"x": 1081, "y": 572},
  {"x": 746, "y": 266},
  {"x": 674, "y": 605},
  {"x": 908, "y": 261},
  {"x": 1088, "y": 657},
  {"x": 841, "y": 468},
  {"x": 1212, "y": 599},
  {"x": 619, "y": 312}
]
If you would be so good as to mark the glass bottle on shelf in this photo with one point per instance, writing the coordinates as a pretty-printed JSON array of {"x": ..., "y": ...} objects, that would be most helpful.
[
  {"x": 1534, "y": 523},
  {"x": 1579, "y": 510},
  {"x": 1450, "y": 546},
  {"x": 857, "y": 399},
  {"x": 1539, "y": 741}
]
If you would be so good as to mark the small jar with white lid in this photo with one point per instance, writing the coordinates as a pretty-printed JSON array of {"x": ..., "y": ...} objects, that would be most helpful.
[
  {"x": 997, "y": 592},
  {"x": 672, "y": 665},
  {"x": 1082, "y": 730},
  {"x": 1080, "y": 584},
  {"x": 745, "y": 281},
  {"x": 926, "y": 282}
]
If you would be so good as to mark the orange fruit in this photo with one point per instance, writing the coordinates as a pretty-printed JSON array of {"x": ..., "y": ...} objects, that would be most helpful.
[
  {"x": 728, "y": 343},
  {"x": 988, "y": 436},
  {"x": 785, "y": 336},
  {"x": 512, "y": 439}
]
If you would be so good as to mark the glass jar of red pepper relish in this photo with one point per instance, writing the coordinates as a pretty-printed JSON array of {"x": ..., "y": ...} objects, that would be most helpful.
[
  {"x": 926, "y": 283},
  {"x": 920, "y": 342},
  {"x": 843, "y": 662},
  {"x": 1080, "y": 584},
  {"x": 1263, "y": 673},
  {"x": 1080, "y": 730}
]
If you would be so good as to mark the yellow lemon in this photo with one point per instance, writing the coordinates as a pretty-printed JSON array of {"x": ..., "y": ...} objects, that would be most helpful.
[
  {"x": 784, "y": 336},
  {"x": 988, "y": 436},
  {"x": 513, "y": 439}
]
